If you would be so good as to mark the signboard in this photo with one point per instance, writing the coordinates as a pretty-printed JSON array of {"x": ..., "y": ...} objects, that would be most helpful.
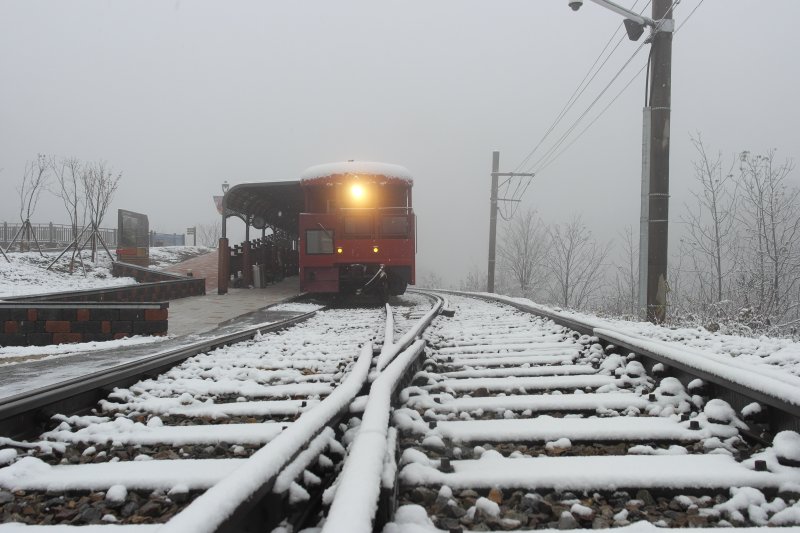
[{"x": 133, "y": 240}]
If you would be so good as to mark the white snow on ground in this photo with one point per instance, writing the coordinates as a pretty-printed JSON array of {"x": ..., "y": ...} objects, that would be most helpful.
[
  {"x": 56, "y": 350},
  {"x": 125, "y": 431},
  {"x": 546, "y": 428},
  {"x": 766, "y": 364},
  {"x": 296, "y": 307},
  {"x": 772, "y": 351},
  {"x": 26, "y": 273},
  {"x": 30, "y": 473}
]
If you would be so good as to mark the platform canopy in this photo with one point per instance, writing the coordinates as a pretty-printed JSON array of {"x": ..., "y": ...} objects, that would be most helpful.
[{"x": 274, "y": 204}]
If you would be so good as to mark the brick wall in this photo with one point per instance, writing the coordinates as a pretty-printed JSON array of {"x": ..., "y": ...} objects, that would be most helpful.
[{"x": 38, "y": 324}]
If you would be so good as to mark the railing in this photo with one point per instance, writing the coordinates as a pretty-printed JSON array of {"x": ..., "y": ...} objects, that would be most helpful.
[{"x": 51, "y": 234}]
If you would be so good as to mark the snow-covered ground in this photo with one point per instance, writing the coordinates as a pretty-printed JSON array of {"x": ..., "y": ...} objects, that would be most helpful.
[
  {"x": 15, "y": 354},
  {"x": 27, "y": 272},
  {"x": 772, "y": 352}
]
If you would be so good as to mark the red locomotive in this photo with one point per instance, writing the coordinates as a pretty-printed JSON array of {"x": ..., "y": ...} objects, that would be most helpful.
[{"x": 357, "y": 231}]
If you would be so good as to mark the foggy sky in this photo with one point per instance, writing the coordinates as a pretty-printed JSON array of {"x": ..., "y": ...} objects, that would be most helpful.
[{"x": 183, "y": 95}]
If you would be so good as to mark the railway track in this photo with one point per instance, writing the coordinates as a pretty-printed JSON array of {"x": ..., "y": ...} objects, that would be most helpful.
[
  {"x": 240, "y": 437},
  {"x": 496, "y": 419},
  {"x": 515, "y": 422}
]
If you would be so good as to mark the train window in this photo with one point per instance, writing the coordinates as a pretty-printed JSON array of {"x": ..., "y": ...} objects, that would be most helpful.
[
  {"x": 394, "y": 226},
  {"x": 358, "y": 225},
  {"x": 319, "y": 241}
]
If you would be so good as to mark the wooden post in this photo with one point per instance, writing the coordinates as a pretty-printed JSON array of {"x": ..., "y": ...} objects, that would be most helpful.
[{"x": 223, "y": 266}]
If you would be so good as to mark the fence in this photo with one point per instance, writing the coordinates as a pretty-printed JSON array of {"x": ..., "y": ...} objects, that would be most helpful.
[
  {"x": 52, "y": 235},
  {"x": 167, "y": 239},
  {"x": 60, "y": 235}
]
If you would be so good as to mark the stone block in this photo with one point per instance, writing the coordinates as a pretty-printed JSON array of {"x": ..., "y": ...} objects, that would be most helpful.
[
  {"x": 122, "y": 326},
  {"x": 40, "y": 339},
  {"x": 131, "y": 314},
  {"x": 66, "y": 338},
  {"x": 57, "y": 326},
  {"x": 155, "y": 314},
  {"x": 150, "y": 328}
]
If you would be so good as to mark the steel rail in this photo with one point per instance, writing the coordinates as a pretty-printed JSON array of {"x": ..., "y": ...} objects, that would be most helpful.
[
  {"x": 360, "y": 503},
  {"x": 783, "y": 414},
  {"x": 20, "y": 413},
  {"x": 241, "y": 502}
]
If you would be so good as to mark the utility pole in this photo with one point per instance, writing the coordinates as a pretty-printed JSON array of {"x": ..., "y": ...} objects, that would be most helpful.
[
  {"x": 493, "y": 221},
  {"x": 496, "y": 174},
  {"x": 658, "y": 193}
]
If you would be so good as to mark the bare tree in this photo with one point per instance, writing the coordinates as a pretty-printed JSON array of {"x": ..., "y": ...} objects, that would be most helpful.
[
  {"x": 770, "y": 216},
  {"x": 34, "y": 182},
  {"x": 576, "y": 263},
  {"x": 100, "y": 183},
  {"x": 522, "y": 250},
  {"x": 475, "y": 280},
  {"x": 710, "y": 224},
  {"x": 69, "y": 176},
  {"x": 209, "y": 234},
  {"x": 626, "y": 276},
  {"x": 431, "y": 280}
]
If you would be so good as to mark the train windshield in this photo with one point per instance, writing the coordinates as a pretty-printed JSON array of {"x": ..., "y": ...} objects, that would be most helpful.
[
  {"x": 394, "y": 226},
  {"x": 319, "y": 241}
]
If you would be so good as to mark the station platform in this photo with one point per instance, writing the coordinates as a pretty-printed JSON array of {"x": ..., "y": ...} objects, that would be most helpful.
[
  {"x": 202, "y": 266},
  {"x": 197, "y": 314}
]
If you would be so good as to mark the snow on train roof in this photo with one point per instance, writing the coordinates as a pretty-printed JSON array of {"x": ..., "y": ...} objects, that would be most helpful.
[{"x": 353, "y": 168}]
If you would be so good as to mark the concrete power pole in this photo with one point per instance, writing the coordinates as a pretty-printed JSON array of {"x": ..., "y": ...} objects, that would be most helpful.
[
  {"x": 496, "y": 175},
  {"x": 493, "y": 221},
  {"x": 658, "y": 193}
]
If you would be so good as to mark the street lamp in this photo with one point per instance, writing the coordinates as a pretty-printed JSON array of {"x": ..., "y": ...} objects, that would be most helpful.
[{"x": 654, "y": 229}]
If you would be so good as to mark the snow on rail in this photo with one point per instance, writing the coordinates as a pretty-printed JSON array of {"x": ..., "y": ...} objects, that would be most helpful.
[
  {"x": 563, "y": 370},
  {"x": 173, "y": 406},
  {"x": 534, "y": 402},
  {"x": 30, "y": 473},
  {"x": 388, "y": 353},
  {"x": 770, "y": 382},
  {"x": 213, "y": 507},
  {"x": 125, "y": 431},
  {"x": 527, "y": 383},
  {"x": 548, "y": 428},
  {"x": 356, "y": 498},
  {"x": 599, "y": 473}
]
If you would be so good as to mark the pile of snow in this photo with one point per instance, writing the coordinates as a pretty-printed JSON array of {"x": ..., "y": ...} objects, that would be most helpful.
[
  {"x": 27, "y": 273},
  {"x": 774, "y": 352},
  {"x": 59, "y": 350}
]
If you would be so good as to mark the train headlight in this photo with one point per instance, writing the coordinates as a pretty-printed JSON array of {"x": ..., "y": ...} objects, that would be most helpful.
[
  {"x": 357, "y": 191},
  {"x": 375, "y": 249},
  {"x": 339, "y": 250}
]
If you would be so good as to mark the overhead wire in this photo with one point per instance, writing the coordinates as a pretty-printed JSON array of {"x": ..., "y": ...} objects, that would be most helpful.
[
  {"x": 554, "y": 153},
  {"x": 581, "y": 88},
  {"x": 549, "y": 157},
  {"x": 508, "y": 207},
  {"x": 575, "y": 94},
  {"x": 546, "y": 157}
]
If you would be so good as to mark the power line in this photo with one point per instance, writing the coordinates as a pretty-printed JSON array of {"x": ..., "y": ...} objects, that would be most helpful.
[
  {"x": 549, "y": 158},
  {"x": 577, "y": 121},
  {"x": 690, "y": 15},
  {"x": 581, "y": 88}
]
